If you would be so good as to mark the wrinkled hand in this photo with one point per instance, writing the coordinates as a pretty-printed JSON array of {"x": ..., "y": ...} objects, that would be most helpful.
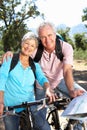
[
  {"x": 1, "y": 108},
  {"x": 76, "y": 92},
  {"x": 50, "y": 93},
  {"x": 6, "y": 55}
]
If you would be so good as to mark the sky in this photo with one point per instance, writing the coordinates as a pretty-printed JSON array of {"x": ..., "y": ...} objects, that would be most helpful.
[{"x": 66, "y": 12}]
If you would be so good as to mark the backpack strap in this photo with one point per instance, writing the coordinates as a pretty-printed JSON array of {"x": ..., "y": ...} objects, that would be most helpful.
[
  {"x": 14, "y": 61},
  {"x": 58, "y": 49},
  {"x": 33, "y": 67},
  {"x": 39, "y": 52}
]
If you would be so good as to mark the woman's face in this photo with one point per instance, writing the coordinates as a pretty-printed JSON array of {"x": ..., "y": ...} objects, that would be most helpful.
[{"x": 28, "y": 47}]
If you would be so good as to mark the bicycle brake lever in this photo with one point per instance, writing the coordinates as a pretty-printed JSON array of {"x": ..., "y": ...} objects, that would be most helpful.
[{"x": 44, "y": 104}]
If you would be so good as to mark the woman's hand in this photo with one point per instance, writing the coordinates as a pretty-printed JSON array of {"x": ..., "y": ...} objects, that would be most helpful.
[
  {"x": 1, "y": 108},
  {"x": 50, "y": 93}
]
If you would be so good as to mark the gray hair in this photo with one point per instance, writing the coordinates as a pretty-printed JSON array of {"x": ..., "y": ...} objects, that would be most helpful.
[
  {"x": 30, "y": 36},
  {"x": 42, "y": 25}
]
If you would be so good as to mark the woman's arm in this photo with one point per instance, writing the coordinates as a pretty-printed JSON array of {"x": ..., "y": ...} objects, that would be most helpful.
[
  {"x": 40, "y": 76},
  {"x": 1, "y": 102},
  {"x": 4, "y": 71},
  {"x": 1, "y": 97},
  {"x": 43, "y": 81}
]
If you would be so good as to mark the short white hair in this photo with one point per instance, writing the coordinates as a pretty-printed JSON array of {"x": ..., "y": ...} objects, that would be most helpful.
[
  {"x": 30, "y": 35},
  {"x": 43, "y": 24}
]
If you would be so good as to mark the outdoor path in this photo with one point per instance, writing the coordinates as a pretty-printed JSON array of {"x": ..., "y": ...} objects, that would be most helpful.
[{"x": 80, "y": 73}]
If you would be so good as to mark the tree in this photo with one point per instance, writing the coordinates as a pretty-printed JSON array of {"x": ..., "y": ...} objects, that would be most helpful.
[
  {"x": 84, "y": 17},
  {"x": 13, "y": 15},
  {"x": 80, "y": 41},
  {"x": 12, "y": 37},
  {"x": 65, "y": 34}
]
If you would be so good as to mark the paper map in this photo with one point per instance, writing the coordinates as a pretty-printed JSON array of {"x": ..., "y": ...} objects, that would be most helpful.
[{"x": 77, "y": 108}]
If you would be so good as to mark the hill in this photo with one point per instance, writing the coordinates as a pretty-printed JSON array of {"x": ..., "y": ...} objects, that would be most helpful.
[{"x": 80, "y": 28}]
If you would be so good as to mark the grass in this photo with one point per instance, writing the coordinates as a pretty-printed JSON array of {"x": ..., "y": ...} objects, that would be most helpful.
[{"x": 80, "y": 54}]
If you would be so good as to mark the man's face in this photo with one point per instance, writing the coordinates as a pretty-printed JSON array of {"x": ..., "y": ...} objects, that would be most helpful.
[{"x": 48, "y": 38}]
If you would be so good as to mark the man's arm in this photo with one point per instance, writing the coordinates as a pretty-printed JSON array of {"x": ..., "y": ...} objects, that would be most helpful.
[
  {"x": 6, "y": 55},
  {"x": 68, "y": 76}
]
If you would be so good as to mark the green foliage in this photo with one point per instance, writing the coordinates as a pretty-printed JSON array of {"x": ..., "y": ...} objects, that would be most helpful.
[
  {"x": 13, "y": 15},
  {"x": 65, "y": 35},
  {"x": 13, "y": 11},
  {"x": 84, "y": 17},
  {"x": 80, "y": 41},
  {"x": 12, "y": 37},
  {"x": 1, "y": 48}
]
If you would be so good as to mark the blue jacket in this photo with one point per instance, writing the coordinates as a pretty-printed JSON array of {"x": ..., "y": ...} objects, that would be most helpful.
[{"x": 18, "y": 84}]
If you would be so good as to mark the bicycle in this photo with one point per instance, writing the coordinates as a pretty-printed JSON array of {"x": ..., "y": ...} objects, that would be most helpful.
[
  {"x": 56, "y": 106},
  {"x": 27, "y": 117},
  {"x": 26, "y": 114}
]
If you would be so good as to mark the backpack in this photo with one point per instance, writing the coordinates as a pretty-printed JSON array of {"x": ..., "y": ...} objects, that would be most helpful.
[
  {"x": 14, "y": 62},
  {"x": 58, "y": 50},
  {"x": 15, "y": 59}
]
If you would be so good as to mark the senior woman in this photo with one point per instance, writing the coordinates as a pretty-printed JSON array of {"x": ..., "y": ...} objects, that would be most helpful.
[{"x": 17, "y": 85}]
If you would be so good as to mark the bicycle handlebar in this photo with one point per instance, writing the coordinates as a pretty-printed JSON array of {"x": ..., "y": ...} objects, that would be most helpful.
[
  {"x": 43, "y": 102},
  {"x": 10, "y": 110}
]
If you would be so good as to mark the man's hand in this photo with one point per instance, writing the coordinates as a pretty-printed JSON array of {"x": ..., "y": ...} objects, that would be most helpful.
[
  {"x": 76, "y": 92},
  {"x": 6, "y": 55}
]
